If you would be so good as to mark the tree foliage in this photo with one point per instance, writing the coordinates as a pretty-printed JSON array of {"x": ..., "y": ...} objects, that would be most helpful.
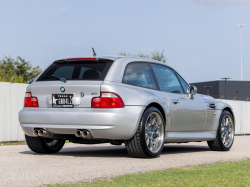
[
  {"x": 19, "y": 69},
  {"x": 156, "y": 55}
]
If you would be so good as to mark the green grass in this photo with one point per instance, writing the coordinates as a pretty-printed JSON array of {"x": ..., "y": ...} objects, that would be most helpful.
[
  {"x": 13, "y": 143},
  {"x": 219, "y": 174}
]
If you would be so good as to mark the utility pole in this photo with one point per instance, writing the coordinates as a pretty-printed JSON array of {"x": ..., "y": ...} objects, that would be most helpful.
[
  {"x": 225, "y": 85},
  {"x": 241, "y": 25}
]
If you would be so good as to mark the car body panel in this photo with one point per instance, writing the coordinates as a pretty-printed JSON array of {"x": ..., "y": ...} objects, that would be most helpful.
[
  {"x": 102, "y": 123},
  {"x": 190, "y": 120}
]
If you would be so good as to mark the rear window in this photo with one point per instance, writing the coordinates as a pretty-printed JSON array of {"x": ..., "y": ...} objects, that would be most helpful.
[{"x": 77, "y": 70}]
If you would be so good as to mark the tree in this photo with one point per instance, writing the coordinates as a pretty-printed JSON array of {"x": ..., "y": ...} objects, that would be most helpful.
[
  {"x": 21, "y": 70},
  {"x": 156, "y": 55}
]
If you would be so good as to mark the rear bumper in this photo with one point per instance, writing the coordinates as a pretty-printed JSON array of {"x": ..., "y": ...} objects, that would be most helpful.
[{"x": 119, "y": 124}]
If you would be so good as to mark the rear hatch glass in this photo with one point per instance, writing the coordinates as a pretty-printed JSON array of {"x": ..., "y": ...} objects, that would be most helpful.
[{"x": 77, "y": 70}]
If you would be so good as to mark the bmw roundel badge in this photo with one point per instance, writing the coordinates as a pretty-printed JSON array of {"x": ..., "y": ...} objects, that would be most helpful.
[{"x": 62, "y": 89}]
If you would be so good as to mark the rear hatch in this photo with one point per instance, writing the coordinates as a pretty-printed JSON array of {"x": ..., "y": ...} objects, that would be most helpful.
[{"x": 83, "y": 76}]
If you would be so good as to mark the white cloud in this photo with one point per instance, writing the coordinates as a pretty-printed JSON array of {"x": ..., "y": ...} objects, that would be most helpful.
[
  {"x": 208, "y": 4},
  {"x": 64, "y": 9}
]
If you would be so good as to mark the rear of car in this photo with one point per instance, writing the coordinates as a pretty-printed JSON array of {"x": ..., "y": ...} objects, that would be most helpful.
[{"x": 67, "y": 100}]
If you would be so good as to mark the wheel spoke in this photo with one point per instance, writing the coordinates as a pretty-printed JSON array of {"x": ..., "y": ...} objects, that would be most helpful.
[
  {"x": 153, "y": 121},
  {"x": 224, "y": 139},
  {"x": 150, "y": 144},
  {"x": 227, "y": 124},
  {"x": 147, "y": 142},
  {"x": 223, "y": 122},
  {"x": 156, "y": 127}
]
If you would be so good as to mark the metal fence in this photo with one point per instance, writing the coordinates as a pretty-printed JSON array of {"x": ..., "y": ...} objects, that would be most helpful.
[
  {"x": 11, "y": 102},
  {"x": 12, "y": 97}
]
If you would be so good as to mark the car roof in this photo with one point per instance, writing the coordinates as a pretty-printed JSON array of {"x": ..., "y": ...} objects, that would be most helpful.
[{"x": 130, "y": 58}]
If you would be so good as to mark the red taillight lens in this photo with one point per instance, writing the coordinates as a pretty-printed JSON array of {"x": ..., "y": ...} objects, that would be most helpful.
[
  {"x": 107, "y": 100},
  {"x": 30, "y": 101}
]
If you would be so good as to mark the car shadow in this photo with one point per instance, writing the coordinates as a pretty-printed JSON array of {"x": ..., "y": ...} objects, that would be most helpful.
[
  {"x": 119, "y": 151},
  {"x": 177, "y": 149}
]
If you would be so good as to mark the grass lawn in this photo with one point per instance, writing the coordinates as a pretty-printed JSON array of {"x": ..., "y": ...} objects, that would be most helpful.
[
  {"x": 13, "y": 143},
  {"x": 219, "y": 174}
]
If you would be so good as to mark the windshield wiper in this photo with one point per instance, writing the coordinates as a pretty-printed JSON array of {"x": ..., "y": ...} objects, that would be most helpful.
[{"x": 60, "y": 78}]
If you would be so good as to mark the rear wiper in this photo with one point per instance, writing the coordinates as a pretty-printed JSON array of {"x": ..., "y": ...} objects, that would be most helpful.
[{"x": 60, "y": 78}]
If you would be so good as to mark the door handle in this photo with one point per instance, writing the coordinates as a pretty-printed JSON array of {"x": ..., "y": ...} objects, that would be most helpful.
[{"x": 175, "y": 101}]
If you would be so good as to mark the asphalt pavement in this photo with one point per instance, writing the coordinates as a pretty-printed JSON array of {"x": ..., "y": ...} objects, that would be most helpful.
[{"x": 82, "y": 163}]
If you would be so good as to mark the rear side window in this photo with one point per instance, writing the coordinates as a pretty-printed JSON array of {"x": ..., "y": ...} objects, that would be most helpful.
[
  {"x": 77, "y": 70},
  {"x": 139, "y": 74}
]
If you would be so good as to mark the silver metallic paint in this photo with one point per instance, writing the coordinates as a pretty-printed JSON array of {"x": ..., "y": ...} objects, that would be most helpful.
[{"x": 189, "y": 120}]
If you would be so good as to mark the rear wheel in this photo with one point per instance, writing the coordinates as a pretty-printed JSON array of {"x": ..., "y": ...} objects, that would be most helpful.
[
  {"x": 148, "y": 140},
  {"x": 225, "y": 133},
  {"x": 44, "y": 145}
]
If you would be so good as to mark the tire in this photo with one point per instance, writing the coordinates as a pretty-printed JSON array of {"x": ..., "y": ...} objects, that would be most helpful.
[
  {"x": 142, "y": 143},
  {"x": 44, "y": 145},
  {"x": 225, "y": 132}
]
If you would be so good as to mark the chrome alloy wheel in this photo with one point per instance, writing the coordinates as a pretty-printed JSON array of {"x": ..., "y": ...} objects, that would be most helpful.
[
  {"x": 227, "y": 130},
  {"x": 154, "y": 132}
]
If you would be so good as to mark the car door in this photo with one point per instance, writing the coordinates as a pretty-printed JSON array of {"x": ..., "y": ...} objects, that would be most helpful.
[{"x": 185, "y": 114}]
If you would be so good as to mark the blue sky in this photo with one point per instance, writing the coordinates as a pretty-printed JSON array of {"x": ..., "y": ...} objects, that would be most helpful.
[{"x": 200, "y": 37}]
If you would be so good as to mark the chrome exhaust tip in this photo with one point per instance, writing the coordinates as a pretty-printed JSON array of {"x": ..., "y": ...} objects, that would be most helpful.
[
  {"x": 78, "y": 133},
  {"x": 35, "y": 132},
  {"x": 44, "y": 133},
  {"x": 40, "y": 132},
  {"x": 86, "y": 134},
  {"x": 83, "y": 134}
]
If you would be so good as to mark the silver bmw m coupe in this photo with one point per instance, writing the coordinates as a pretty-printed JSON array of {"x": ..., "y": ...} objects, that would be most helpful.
[{"x": 142, "y": 103}]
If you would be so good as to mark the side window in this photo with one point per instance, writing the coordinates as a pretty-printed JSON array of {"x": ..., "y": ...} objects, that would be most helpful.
[
  {"x": 183, "y": 83},
  {"x": 167, "y": 79},
  {"x": 139, "y": 74}
]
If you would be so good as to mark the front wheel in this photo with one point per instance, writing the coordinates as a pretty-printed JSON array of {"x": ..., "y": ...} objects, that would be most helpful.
[
  {"x": 225, "y": 133},
  {"x": 44, "y": 145},
  {"x": 148, "y": 140}
]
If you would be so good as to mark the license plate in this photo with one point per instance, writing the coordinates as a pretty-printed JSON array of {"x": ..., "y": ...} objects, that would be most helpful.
[{"x": 62, "y": 100}]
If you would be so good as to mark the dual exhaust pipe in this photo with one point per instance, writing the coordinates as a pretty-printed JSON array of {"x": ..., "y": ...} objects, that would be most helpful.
[
  {"x": 83, "y": 134},
  {"x": 42, "y": 133},
  {"x": 79, "y": 133}
]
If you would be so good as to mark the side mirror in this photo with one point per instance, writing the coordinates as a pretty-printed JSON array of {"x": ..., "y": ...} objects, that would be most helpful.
[{"x": 191, "y": 91}]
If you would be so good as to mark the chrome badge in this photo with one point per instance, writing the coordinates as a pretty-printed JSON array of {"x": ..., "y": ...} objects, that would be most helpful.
[
  {"x": 82, "y": 94},
  {"x": 62, "y": 89}
]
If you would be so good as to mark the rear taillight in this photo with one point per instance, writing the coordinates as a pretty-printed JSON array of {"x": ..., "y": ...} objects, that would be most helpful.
[
  {"x": 30, "y": 101},
  {"x": 107, "y": 100}
]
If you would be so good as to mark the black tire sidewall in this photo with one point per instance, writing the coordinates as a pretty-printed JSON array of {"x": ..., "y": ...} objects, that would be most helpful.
[
  {"x": 219, "y": 130},
  {"x": 39, "y": 145},
  {"x": 142, "y": 130},
  {"x": 57, "y": 147}
]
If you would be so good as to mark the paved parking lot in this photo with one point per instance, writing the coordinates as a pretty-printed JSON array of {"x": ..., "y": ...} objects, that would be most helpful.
[{"x": 81, "y": 163}]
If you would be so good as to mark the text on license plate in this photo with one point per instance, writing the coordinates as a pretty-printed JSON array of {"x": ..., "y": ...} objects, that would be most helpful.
[{"x": 62, "y": 100}]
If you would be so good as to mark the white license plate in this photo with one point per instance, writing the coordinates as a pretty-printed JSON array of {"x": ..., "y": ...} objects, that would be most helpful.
[{"x": 62, "y": 100}]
